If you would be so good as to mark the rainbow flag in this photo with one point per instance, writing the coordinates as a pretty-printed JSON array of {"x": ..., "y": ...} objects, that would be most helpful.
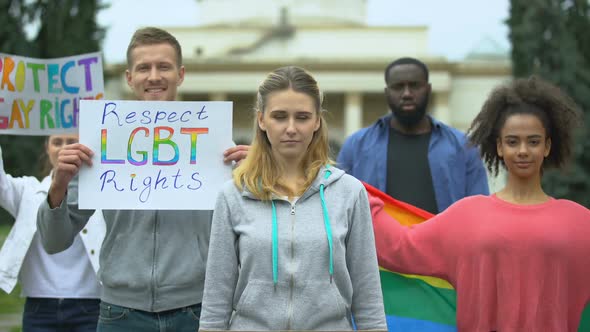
[{"x": 416, "y": 303}]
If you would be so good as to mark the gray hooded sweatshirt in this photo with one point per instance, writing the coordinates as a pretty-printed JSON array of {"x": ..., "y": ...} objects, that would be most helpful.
[
  {"x": 150, "y": 260},
  {"x": 243, "y": 293}
]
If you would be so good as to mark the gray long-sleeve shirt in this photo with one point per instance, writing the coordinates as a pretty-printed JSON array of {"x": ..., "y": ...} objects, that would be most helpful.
[{"x": 150, "y": 260}]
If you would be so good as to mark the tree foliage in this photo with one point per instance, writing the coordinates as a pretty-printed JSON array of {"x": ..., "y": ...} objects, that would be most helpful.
[
  {"x": 68, "y": 27},
  {"x": 14, "y": 15},
  {"x": 549, "y": 38}
]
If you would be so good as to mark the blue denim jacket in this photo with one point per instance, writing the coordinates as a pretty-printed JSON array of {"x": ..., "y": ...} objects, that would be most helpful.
[{"x": 457, "y": 170}]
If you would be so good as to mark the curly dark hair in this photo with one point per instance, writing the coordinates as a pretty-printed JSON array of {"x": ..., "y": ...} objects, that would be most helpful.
[{"x": 558, "y": 113}]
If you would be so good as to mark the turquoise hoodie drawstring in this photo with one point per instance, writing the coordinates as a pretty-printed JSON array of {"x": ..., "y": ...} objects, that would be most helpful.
[
  {"x": 275, "y": 236},
  {"x": 327, "y": 225},
  {"x": 275, "y": 245}
]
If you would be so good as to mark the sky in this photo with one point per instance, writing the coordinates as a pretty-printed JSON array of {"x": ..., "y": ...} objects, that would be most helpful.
[{"x": 456, "y": 27}]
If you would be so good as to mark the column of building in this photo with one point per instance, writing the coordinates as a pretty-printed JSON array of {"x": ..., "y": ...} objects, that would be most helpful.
[{"x": 353, "y": 112}]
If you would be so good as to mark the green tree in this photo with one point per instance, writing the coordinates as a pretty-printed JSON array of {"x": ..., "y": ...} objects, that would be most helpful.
[
  {"x": 14, "y": 15},
  {"x": 549, "y": 38},
  {"x": 68, "y": 27}
]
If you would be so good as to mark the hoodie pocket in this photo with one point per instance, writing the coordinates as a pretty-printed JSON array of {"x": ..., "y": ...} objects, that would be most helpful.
[
  {"x": 182, "y": 246},
  {"x": 183, "y": 265},
  {"x": 319, "y": 306},
  {"x": 127, "y": 262},
  {"x": 262, "y": 306}
]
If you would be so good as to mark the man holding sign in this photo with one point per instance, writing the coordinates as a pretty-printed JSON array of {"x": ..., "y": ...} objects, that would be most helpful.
[{"x": 152, "y": 261}]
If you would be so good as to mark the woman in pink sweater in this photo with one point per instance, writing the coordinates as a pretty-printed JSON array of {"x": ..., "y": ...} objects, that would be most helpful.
[{"x": 519, "y": 259}]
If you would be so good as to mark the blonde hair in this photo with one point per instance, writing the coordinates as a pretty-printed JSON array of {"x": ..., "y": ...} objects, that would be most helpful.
[{"x": 258, "y": 172}]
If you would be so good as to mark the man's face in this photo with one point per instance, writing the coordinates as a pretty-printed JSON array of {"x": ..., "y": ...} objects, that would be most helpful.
[
  {"x": 154, "y": 72},
  {"x": 407, "y": 93}
]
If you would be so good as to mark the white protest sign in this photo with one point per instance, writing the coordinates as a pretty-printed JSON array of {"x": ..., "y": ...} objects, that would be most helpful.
[
  {"x": 154, "y": 155},
  {"x": 40, "y": 96}
]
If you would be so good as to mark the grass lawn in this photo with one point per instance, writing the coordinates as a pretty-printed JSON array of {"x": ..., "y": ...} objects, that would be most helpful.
[{"x": 9, "y": 303}]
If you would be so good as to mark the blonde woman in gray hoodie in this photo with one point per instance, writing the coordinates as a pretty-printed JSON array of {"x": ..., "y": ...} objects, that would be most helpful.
[{"x": 292, "y": 244}]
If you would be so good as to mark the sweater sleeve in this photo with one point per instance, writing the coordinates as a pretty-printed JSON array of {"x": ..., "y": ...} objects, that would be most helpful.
[
  {"x": 421, "y": 249},
  {"x": 222, "y": 270},
  {"x": 367, "y": 299},
  {"x": 58, "y": 227}
]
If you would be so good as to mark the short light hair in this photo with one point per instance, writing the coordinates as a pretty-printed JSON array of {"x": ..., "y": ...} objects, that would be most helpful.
[{"x": 153, "y": 36}]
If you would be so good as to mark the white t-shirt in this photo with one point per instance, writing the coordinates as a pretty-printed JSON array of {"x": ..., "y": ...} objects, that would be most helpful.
[{"x": 67, "y": 274}]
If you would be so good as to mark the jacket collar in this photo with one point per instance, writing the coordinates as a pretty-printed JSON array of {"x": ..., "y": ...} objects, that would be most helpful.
[
  {"x": 336, "y": 174},
  {"x": 45, "y": 184}
]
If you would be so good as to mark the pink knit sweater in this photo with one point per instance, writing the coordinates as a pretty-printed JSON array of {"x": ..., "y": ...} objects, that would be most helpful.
[{"x": 516, "y": 268}]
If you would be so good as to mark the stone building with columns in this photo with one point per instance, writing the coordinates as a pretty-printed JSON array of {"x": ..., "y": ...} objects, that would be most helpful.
[{"x": 237, "y": 42}]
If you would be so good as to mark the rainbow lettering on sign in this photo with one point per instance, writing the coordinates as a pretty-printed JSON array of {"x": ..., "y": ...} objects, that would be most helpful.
[
  {"x": 56, "y": 75},
  {"x": 41, "y": 94},
  {"x": 152, "y": 117},
  {"x": 193, "y": 132},
  {"x": 157, "y": 142},
  {"x": 155, "y": 129}
]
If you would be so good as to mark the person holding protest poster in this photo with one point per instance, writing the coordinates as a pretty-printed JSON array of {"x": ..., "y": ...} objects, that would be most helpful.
[
  {"x": 292, "y": 246},
  {"x": 518, "y": 258},
  {"x": 62, "y": 291},
  {"x": 152, "y": 261}
]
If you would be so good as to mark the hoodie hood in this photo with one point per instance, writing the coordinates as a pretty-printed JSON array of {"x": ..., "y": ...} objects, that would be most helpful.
[{"x": 334, "y": 175}]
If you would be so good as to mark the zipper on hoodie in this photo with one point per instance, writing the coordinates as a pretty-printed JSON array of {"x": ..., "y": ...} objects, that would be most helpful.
[
  {"x": 291, "y": 278},
  {"x": 153, "y": 283}
]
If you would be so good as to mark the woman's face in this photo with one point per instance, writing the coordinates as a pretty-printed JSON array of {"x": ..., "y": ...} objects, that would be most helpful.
[
  {"x": 290, "y": 119},
  {"x": 523, "y": 145},
  {"x": 55, "y": 143}
]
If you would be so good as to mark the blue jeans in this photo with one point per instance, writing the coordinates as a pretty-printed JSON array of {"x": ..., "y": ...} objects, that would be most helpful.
[
  {"x": 60, "y": 315},
  {"x": 114, "y": 318}
]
